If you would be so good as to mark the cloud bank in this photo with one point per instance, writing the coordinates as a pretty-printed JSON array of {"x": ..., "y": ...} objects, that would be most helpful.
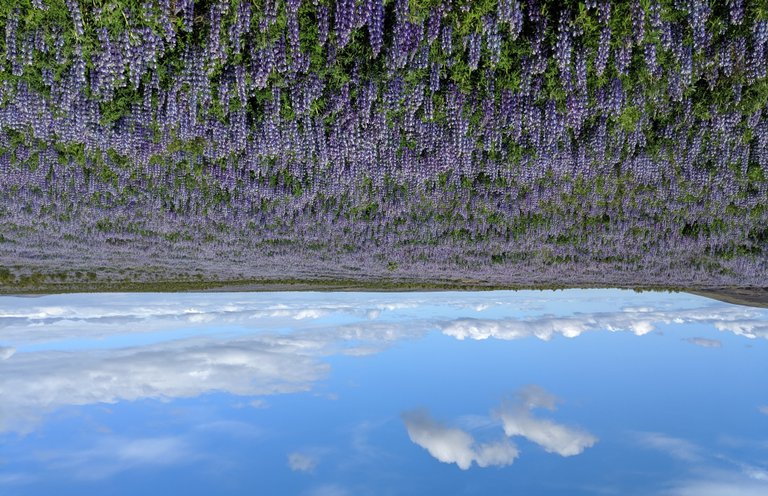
[
  {"x": 32, "y": 384},
  {"x": 108, "y": 352},
  {"x": 742, "y": 321}
]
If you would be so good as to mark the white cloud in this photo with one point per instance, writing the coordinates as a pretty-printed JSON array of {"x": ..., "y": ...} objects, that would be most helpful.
[
  {"x": 705, "y": 343},
  {"x": 748, "y": 328},
  {"x": 743, "y": 321},
  {"x": 517, "y": 420},
  {"x": 70, "y": 316},
  {"x": 34, "y": 383},
  {"x": 553, "y": 437},
  {"x": 498, "y": 454},
  {"x": 252, "y": 355},
  {"x": 672, "y": 446},
  {"x": 509, "y": 329},
  {"x": 301, "y": 462},
  {"x": 6, "y": 352},
  {"x": 300, "y": 314},
  {"x": 253, "y": 364},
  {"x": 763, "y": 409},
  {"x": 247, "y": 364},
  {"x": 452, "y": 445}
]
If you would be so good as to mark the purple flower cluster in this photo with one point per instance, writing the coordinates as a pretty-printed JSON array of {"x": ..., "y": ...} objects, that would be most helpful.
[
  {"x": 77, "y": 18},
  {"x": 186, "y": 8},
  {"x": 376, "y": 25},
  {"x": 344, "y": 20},
  {"x": 472, "y": 43},
  {"x": 603, "y": 50},
  {"x": 699, "y": 12}
]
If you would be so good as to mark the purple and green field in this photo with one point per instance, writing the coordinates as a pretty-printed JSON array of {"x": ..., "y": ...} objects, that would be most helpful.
[{"x": 430, "y": 143}]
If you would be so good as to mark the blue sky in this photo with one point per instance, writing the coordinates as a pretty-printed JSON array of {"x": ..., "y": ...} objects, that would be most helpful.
[{"x": 538, "y": 392}]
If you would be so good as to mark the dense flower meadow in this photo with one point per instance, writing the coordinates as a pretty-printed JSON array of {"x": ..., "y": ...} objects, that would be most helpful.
[{"x": 504, "y": 141}]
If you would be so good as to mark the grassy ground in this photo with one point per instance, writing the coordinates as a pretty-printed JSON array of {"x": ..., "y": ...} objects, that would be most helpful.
[{"x": 270, "y": 285}]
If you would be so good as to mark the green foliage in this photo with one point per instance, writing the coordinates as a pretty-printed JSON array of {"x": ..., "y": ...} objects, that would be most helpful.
[
  {"x": 755, "y": 97},
  {"x": 755, "y": 173},
  {"x": 629, "y": 118},
  {"x": 6, "y": 276}
]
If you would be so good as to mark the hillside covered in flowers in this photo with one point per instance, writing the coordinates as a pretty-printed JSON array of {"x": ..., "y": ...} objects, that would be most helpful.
[{"x": 505, "y": 142}]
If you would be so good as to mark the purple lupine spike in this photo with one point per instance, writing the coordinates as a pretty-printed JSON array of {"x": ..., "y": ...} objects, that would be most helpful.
[
  {"x": 376, "y": 26},
  {"x": 698, "y": 15},
  {"x": 564, "y": 45},
  {"x": 736, "y": 10},
  {"x": 603, "y": 51},
  {"x": 433, "y": 24},
  {"x": 472, "y": 43},
  {"x": 11, "y": 28},
  {"x": 638, "y": 22},
  {"x": 77, "y": 18}
]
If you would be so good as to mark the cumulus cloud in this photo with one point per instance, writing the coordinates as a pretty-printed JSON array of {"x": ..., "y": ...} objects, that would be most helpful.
[
  {"x": 510, "y": 329},
  {"x": 637, "y": 320},
  {"x": 246, "y": 363},
  {"x": 301, "y": 462},
  {"x": 33, "y": 383},
  {"x": 705, "y": 343},
  {"x": 56, "y": 317},
  {"x": 518, "y": 420},
  {"x": 71, "y": 317},
  {"x": 453, "y": 445},
  {"x": 748, "y": 328},
  {"x": 253, "y": 355},
  {"x": 61, "y": 317},
  {"x": 255, "y": 363},
  {"x": 553, "y": 437}
]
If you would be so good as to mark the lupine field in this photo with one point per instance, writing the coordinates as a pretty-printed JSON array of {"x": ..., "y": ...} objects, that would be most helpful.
[{"x": 507, "y": 142}]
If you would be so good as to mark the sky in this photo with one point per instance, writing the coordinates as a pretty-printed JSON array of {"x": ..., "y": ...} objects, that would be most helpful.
[{"x": 320, "y": 393}]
